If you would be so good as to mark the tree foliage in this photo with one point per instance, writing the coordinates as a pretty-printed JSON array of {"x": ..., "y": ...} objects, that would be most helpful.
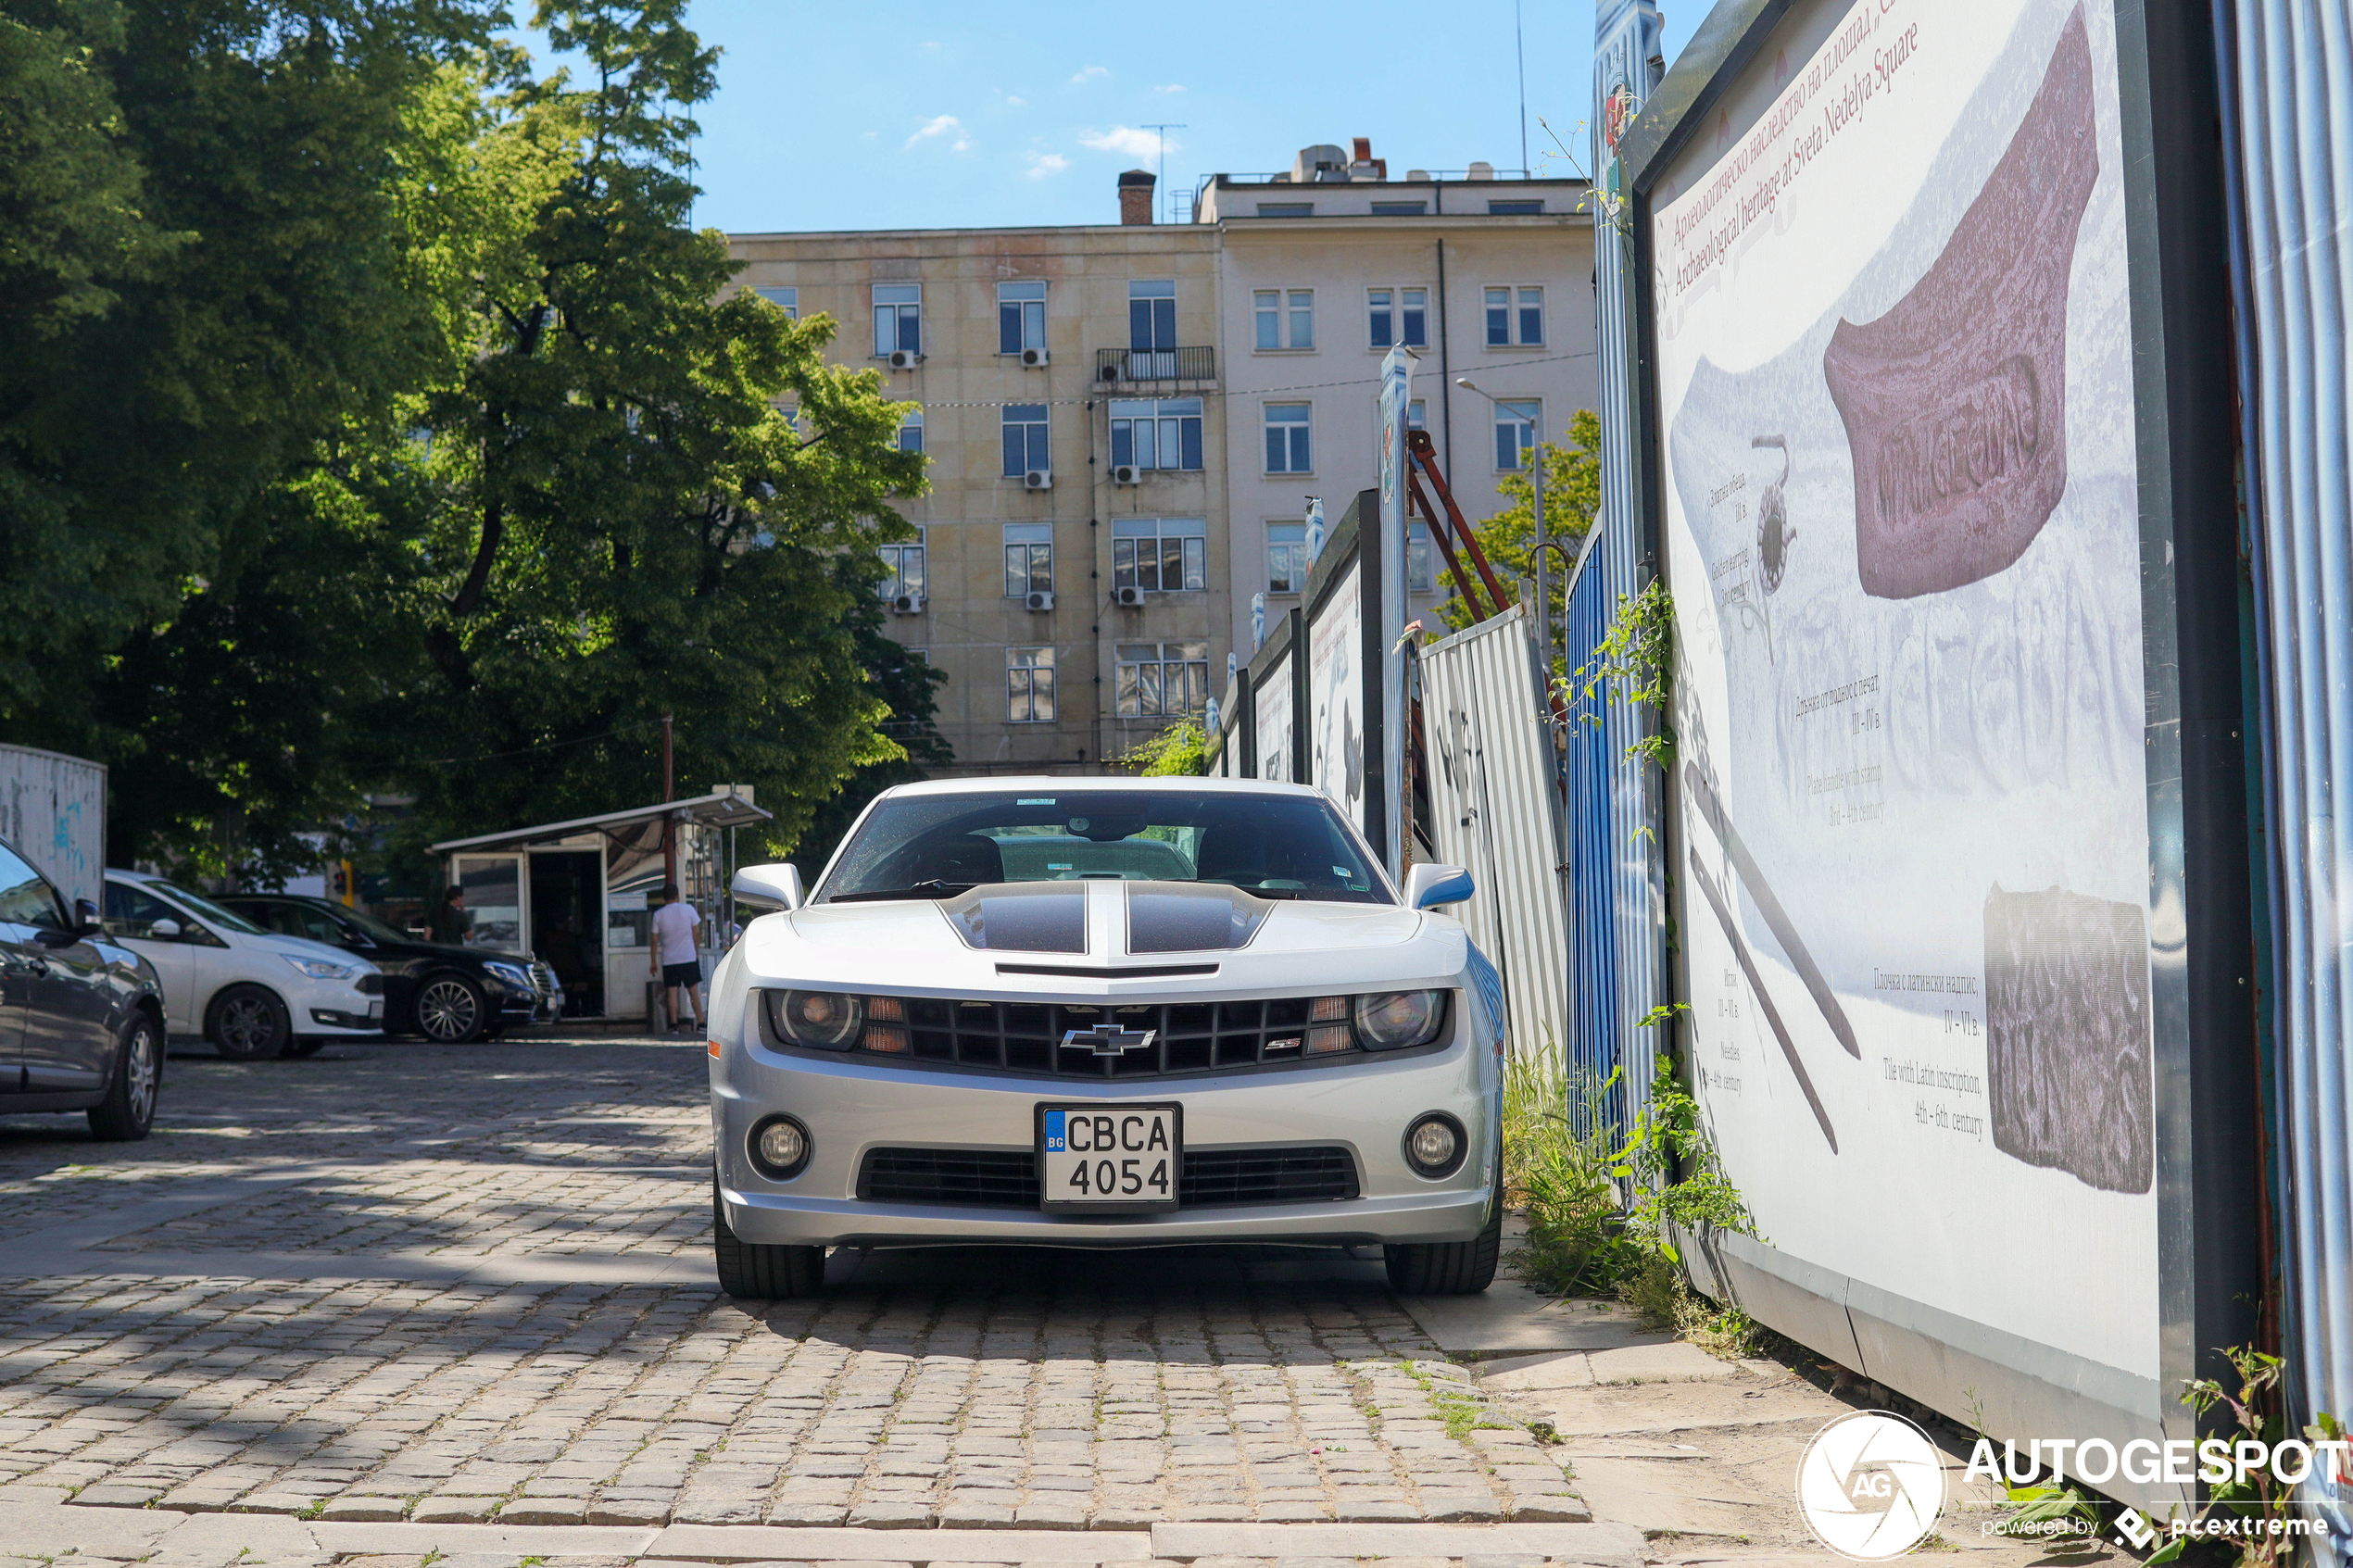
[
  {"x": 381, "y": 421},
  {"x": 1572, "y": 494}
]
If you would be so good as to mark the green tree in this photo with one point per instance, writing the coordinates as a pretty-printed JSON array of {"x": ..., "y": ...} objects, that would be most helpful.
[{"x": 1572, "y": 494}]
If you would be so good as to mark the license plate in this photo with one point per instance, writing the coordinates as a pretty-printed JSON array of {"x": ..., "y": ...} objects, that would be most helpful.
[
  {"x": 1109, "y": 1156},
  {"x": 376, "y": 1012}
]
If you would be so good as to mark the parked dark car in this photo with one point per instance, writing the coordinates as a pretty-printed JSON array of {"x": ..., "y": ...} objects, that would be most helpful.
[
  {"x": 448, "y": 994},
  {"x": 81, "y": 1015}
]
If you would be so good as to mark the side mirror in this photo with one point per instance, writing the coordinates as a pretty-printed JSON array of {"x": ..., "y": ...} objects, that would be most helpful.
[
  {"x": 1428, "y": 886},
  {"x": 85, "y": 917},
  {"x": 164, "y": 930},
  {"x": 773, "y": 887}
]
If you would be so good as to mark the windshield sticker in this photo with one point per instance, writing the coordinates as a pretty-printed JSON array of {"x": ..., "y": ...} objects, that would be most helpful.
[{"x": 1046, "y": 801}]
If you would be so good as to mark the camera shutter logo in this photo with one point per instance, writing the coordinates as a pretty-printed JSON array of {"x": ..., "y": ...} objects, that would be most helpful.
[{"x": 1871, "y": 1485}]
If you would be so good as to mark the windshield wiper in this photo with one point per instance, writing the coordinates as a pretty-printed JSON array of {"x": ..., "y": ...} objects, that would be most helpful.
[{"x": 933, "y": 889}]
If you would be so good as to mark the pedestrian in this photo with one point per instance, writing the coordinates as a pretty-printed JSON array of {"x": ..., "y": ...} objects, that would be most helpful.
[
  {"x": 673, "y": 957},
  {"x": 449, "y": 921}
]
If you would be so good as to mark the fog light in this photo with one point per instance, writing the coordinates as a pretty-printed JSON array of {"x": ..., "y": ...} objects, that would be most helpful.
[
  {"x": 779, "y": 1147},
  {"x": 1435, "y": 1145}
]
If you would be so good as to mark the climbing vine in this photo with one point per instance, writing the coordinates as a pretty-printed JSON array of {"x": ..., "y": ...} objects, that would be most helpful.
[{"x": 1635, "y": 661}]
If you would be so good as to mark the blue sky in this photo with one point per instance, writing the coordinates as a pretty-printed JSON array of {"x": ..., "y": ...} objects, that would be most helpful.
[{"x": 921, "y": 114}]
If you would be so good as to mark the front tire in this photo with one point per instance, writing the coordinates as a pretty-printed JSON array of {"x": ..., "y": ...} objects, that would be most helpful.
[
  {"x": 128, "y": 1111},
  {"x": 451, "y": 1009},
  {"x": 309, "y": 1045},
  {"x": 750, "y": 1271},
  {"x": 248, "y": 1024},
  {"x": 1449, "y": 1268}
]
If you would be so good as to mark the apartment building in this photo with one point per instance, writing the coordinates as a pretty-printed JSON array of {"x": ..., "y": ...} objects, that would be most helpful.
[{"x": 1124, "y": 421}]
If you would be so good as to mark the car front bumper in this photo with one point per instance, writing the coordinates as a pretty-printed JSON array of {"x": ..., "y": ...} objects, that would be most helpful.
[
  {"x": 850, "y": 1107},
  {"x": 366, "y": 1021}
]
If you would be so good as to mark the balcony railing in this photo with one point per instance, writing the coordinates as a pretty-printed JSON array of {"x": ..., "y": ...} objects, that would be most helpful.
[{"x": 1138, "y": 367}]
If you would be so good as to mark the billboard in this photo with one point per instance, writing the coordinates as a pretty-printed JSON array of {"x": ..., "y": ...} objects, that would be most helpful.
[
  {"x": 1270, "y": 695},
  {"x": 1336, "y": 696},
  {"x": 1925, "y": 833}
]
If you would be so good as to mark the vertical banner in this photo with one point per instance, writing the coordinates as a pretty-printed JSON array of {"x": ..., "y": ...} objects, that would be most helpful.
[{"x": 1396, "y": 390}]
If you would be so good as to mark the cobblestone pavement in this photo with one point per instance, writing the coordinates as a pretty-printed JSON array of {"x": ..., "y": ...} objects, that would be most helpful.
[{"x": 192, "y": 1327}]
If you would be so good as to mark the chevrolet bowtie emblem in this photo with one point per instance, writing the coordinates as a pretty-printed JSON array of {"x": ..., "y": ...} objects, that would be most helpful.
[{"x": 1106, "y": 1039}]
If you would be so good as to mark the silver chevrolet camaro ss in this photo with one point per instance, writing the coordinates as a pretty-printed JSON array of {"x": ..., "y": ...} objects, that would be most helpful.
[{"x": 1104, "y": 1012}]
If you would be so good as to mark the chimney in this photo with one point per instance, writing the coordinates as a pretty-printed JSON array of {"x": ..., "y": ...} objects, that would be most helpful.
[
  {"x": 1364, "y": 166},
  {"x": 1136, "y": 196}
]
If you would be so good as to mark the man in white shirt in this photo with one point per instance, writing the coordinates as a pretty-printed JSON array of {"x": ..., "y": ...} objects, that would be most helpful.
[{"x": 673, "y": 957}]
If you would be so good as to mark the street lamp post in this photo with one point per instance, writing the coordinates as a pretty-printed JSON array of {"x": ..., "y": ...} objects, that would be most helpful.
[{"x": 1543, "y": 568}]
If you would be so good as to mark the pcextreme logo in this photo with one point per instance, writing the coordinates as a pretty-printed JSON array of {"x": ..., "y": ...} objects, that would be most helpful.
[{"x": 1871, "y": 1485}]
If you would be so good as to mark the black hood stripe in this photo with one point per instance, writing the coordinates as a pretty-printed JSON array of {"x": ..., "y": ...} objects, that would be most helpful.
[
  {"x": 1038, "y": 917},
  {"x": 1176, "y": 917}
]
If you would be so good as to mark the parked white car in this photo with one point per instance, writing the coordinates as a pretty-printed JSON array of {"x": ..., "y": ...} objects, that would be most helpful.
[
  {"x": 251, "y": 993},
  {"x": 1105, "y": 1012}
]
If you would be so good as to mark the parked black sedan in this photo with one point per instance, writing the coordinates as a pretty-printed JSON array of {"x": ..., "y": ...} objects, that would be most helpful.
[
  {"x": 446, "y": 994},
  {"x": 81, "y": 1016}
]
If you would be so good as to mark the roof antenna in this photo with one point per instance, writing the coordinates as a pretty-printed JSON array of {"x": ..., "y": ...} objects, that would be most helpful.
[{"x": 1160, "y": 180}]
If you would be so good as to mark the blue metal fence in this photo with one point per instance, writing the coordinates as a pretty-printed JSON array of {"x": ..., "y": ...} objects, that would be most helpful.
[{"x": 1596, "y": 1024}]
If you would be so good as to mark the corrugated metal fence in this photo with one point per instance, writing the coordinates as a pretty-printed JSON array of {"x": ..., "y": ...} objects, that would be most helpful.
[
  {"x": 1596, "y": 1024},
  {"x": 1494, "y": 811},
  {"x": 2288, "y": 117}
]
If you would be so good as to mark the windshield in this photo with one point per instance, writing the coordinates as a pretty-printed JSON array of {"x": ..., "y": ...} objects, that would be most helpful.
[
  {"x": 205, "y": 909},
  {"x": 935, "y": 846}
]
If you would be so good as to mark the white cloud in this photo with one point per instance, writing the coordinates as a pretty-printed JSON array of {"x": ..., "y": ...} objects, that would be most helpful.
[
  {"x": 1013, "y": 102},
  {"x": 1128, "y": 140},
  {"x": 1043, "y": 164},
  {"x": 1172, "y": 87},
  {"x": 945, "y": 126},
  {"x": 1090, "y": 73}
]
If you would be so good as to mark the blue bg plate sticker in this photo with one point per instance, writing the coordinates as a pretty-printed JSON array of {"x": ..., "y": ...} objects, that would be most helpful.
[{"x": 1057, "y": 1140}]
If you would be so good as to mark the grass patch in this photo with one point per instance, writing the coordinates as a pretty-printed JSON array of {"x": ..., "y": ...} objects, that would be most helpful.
[
  {"x": 1559, "y": 1156},
  {"x": 1667, "y": 1303}
]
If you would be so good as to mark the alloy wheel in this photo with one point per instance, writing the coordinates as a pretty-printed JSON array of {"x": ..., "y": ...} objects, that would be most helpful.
[
  {"x": 448, "y": 1011},
  {"x": 144, "y": 1068},
  {"x": 249, "y": 1026}
]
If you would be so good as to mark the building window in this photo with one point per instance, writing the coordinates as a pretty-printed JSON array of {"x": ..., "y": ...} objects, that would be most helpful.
[
  {"x": 1168, "y": 555},
  {"x": 1515, "y": 432},
  {"x": 1161, "y": 680},
  {"x": 1399, "y": 209},
  {"x": 906, "y": 564},
  {"x": 1286, "y": 318},
  {"x": 1415, "y": 412},
  {"x": 910, "y": 432},
  {"x": 899, "y": 319},
  {"x": 1399, "y": 316},
  {"x": 1026, "y": 439},
  {"x": 1029, "y": 558},
  {"x": 784, "y": 296},
  {"x": 1286, "y": 210},
  {"x": 1286, "y": 561},
  {"x": 1020, "y": 316},
  {"x": 1419, "y": 578},
  {"x": 1513, "y": 208},
  {"x": 1502, "y": 318},
  {"x": 1029, "y": 686},
  {"x": 1156, "y": 435},
  {"x": 1152, "y": 316},
  {"x": 1287, "y": 450}
]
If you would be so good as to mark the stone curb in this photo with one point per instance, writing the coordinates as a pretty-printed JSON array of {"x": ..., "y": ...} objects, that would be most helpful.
[{"x": 54, "y": 1529}]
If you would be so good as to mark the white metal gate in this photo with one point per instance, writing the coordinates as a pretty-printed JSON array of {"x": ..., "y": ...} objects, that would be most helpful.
[{"x": 1488, "y": 741}]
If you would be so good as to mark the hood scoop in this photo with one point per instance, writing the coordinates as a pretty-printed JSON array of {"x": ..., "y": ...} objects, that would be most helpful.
[
  {"x": 1048, "y": 916},
  {"x": 1183, "y": 917}
]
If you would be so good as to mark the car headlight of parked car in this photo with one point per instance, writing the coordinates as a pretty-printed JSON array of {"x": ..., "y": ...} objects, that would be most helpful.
[
  {"x": 513, "y": 976},
  {"x": 825, "y": 1020},
  {"x": 1396, "y": 1020},
  {"x": 325, "y": 968}
]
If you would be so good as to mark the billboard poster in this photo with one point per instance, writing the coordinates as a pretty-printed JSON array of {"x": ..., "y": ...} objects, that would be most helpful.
[
  {"x": 1336, "y": 693},
  {"x": 1901, "y": 530},
  {"x": 1270, "y": 694}
]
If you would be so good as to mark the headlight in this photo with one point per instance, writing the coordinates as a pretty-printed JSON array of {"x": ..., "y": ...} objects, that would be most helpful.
[
  {"x": 825, "y": 1020},
  {"x": 1398, "y": 1019},
  {"x": 322, "y": 969},
  {"x": 510, "y": 974}
]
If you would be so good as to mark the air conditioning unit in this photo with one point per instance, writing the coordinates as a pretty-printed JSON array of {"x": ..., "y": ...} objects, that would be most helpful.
[
  {"x": 1034, "y": 357},
  {"x": 903, "y": 358},
  {"x": 1040, "y": 599},
  {"x": 1133, "y": 599},
  {"x": 1127, "y": 473},
  {"x": 906, "y": 604},
  {"x": 1038, "y": 479}
]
